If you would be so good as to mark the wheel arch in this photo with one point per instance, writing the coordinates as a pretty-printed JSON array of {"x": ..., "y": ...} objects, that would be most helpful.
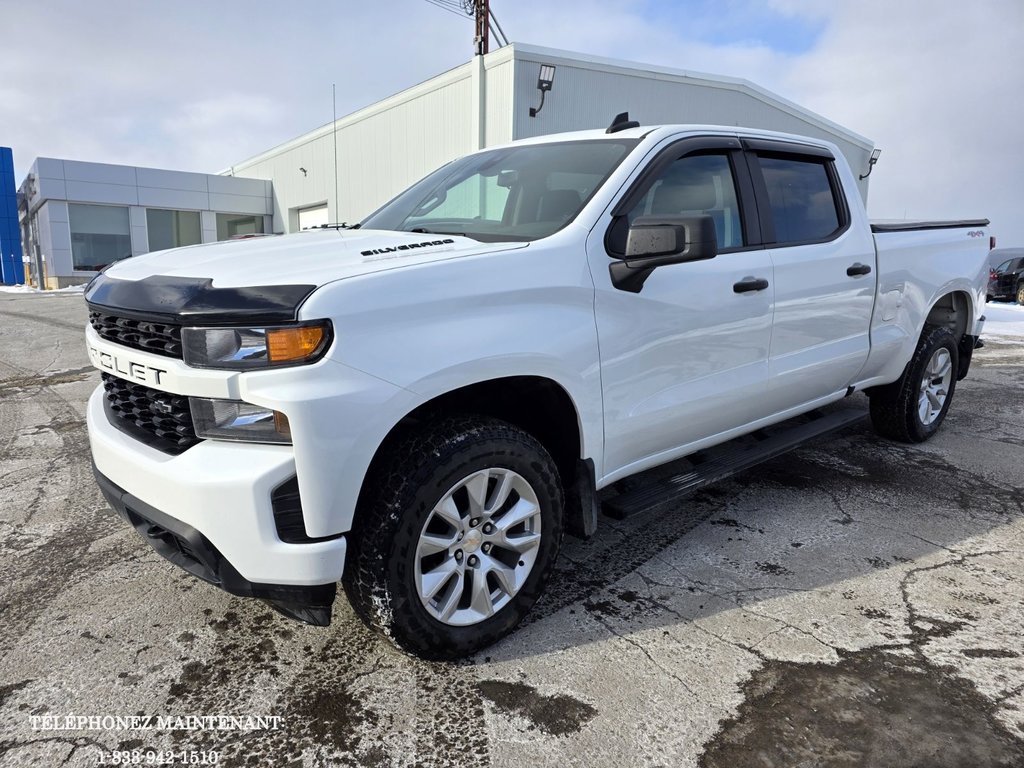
[
  {"x": 538, "y": 405},
  {"x": 953, "y": 310}
]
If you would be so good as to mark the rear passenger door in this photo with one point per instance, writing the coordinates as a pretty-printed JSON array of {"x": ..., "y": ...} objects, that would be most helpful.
[{"x": 824, "y": 273}]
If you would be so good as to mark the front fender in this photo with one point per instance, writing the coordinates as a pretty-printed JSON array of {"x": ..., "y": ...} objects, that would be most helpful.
[{"x": 433, "y": 328}]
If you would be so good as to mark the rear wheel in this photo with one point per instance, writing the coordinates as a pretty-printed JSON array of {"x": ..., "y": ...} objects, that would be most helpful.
[
  {"x": 912, "y": 408},
  {"x": 455, "y": 537},
  {"x": 1020, "y": 293}
]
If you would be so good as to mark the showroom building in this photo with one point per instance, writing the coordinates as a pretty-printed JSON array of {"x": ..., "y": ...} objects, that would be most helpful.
[{"x": 76, "y": 217}]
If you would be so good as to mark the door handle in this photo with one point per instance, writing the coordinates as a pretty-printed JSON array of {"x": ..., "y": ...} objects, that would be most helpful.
[
  {"x": 748, "y": 284},
  {"x": 858, "y": 269}
]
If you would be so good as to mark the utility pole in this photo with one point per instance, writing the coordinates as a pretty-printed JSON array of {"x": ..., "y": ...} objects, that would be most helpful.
[{"x": 482, "y": 39}]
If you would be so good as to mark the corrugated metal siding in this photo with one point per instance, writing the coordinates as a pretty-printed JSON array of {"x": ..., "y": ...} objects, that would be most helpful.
[
  {"x": 379, "y": 154},
  {"x": 500, "y": 88},
  {"x": 589, "y": 96}
]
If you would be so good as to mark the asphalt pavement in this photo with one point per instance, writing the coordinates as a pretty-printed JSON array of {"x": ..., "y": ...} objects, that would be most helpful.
[{"x": 853, "y": 603}]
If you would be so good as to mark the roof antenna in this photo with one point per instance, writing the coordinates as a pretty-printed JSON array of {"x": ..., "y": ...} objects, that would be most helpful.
[{"x": 622, "y": 123}]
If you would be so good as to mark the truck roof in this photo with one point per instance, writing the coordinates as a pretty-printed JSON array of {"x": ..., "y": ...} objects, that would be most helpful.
[{"x": 657, "y": 132}]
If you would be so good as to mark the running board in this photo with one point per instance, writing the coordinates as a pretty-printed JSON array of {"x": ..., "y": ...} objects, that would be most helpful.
[{"x": 714, "y": 464}]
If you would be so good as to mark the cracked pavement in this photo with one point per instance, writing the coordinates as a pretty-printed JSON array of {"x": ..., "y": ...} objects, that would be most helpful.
[{"x": 853, "y": 603}]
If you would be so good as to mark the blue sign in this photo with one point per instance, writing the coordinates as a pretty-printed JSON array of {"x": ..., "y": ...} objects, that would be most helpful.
[{"x": 11, "y": 268}]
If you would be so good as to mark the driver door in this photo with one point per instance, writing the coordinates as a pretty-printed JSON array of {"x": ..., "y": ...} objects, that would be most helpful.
[{"x": 686, "y": 358}]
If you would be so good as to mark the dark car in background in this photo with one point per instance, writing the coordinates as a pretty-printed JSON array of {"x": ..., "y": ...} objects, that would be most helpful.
[{"x": 1006, "y": 278}]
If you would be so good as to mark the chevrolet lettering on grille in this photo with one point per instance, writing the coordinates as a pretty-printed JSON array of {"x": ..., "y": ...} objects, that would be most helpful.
[{"x": 128, "y": 369}]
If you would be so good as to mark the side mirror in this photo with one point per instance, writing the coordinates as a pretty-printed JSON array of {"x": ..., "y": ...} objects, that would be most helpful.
[{"x": 656, "y": 241}]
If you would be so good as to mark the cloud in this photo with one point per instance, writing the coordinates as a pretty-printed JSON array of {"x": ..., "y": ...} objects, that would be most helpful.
[
  {"x": 936, "y": 86},
  {"x": 198, "y": 85}
]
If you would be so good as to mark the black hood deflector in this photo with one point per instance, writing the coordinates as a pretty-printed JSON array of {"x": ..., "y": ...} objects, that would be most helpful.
[{"x": 194, "y": 300}]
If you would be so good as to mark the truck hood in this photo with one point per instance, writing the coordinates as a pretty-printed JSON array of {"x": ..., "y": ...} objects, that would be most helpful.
[{"x": 310, "y": 258}]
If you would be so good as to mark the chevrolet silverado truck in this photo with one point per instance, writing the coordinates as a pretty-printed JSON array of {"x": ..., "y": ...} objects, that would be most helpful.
[{"x": 417, "y": 406}]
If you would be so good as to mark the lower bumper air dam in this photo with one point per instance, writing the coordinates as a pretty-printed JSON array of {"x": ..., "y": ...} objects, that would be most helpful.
[{"x": 188, "y": 549}]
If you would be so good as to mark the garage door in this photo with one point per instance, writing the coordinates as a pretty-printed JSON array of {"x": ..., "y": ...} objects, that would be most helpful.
[{"x": 312, "y": 217}]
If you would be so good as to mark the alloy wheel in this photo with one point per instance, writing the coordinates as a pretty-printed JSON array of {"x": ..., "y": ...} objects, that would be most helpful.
[{"x": 478, "y": 546}]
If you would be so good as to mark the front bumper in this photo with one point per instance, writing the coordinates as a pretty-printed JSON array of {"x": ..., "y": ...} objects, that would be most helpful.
[
  {"x": 187, "y": 548},
  {"x": 218, "y": 493}
]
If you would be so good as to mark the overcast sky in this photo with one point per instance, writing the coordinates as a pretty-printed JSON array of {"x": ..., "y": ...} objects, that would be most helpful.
[{"x": 201, "y": 84}]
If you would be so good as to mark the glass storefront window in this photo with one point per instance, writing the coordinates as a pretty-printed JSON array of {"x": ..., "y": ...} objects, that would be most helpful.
[
  {"x": 233, "y": 224},
  {"x": 172, "y": 229},
  {"x": 100, "y": 235}
]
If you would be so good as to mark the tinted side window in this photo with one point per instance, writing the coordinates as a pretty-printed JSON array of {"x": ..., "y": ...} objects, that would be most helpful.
[
  {"x": 803, "y": 204},
  {"x": 696, "y": 185}
]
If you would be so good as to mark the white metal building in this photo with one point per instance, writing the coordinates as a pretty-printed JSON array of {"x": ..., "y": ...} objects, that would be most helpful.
[
  {"x": 77, "y": 217},
  {"x": 486, "y": 102}
]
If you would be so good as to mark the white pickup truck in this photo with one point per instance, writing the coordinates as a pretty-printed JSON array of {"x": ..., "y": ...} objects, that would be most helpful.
[{"x": 420, "y": 404}]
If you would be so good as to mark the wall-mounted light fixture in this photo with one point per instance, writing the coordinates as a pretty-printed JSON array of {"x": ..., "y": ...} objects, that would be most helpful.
[
  {"x": 871, "y": 163},
  {"x": 544, "y": 82},
  {"x": 303, "y": 171}
]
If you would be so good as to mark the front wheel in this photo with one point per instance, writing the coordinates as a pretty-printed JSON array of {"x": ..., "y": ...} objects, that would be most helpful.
[
  {"x": 455, "y": 536},
  {"x": 912, "y": 408},
  {"x": 1020, "y": 293}
]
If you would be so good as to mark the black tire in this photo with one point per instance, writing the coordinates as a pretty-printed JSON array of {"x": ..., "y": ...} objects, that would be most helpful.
[
  {"x": 894, "y": 407},
  {"x": 1020, "y": 294},
  {"x": 410, "y": 478}
]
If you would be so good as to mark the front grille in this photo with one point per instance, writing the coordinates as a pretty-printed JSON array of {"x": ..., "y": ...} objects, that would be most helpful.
[
  {"x": 158, "y": 338},
  {"x": 159, "y": 419}
]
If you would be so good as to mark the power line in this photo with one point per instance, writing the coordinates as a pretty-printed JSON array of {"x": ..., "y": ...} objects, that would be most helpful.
[
  {"x": 445, "y": 8},
  {"x": 487, "y": 25},
  {"x": 452, "y": 6}
]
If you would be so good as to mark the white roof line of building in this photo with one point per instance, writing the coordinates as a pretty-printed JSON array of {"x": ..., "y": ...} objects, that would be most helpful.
[{"x": 104, "y": 164}]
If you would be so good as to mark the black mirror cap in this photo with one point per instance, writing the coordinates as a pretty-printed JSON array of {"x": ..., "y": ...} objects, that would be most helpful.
[
  {"x": 656, "y": 241},
  {"x": 648, "y": 239},
  {"x": 674, "y": 238}
]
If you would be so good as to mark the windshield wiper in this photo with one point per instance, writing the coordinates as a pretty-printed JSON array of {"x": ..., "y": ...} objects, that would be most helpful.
[{"x": 425, "y": 231}]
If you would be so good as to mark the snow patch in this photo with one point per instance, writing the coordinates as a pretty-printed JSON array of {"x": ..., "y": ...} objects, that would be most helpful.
[
  {"x": 30, "y": 289},
  {"x": 1004, "y": 321}
]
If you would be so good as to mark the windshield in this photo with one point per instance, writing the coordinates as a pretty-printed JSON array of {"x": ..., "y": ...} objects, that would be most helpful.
[{"x": 517, "y": 193}]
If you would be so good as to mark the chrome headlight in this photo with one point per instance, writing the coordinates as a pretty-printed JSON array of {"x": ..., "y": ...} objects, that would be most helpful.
[
  {"x": 251, "y": 348},
  {"x": 235, "y": 420}
]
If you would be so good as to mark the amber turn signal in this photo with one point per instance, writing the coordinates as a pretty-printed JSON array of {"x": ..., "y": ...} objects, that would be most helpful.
[
  {"x": 281, "y": 425},
  {"x": 293, "y": 344}
]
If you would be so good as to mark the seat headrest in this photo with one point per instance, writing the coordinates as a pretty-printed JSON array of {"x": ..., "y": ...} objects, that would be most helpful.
[
  {"x": 558, "y": 204},
  {"x": 671, "y": 198}
]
